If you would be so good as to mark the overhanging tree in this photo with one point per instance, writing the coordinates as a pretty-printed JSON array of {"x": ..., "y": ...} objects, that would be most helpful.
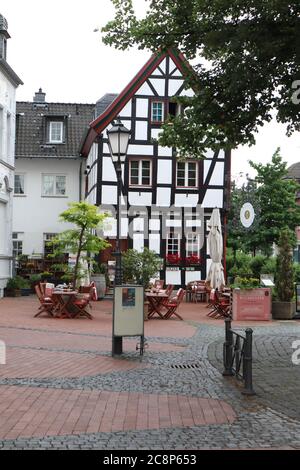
[
  {"x": 251, "y": 52},
  {"x": 276, "y": 197}
]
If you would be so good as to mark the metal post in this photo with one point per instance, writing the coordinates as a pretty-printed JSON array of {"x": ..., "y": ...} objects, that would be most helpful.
[
  {"x": 117, "y": 341},
  {"x": 228, "y": 347},
  {"x": 247, "y": 364},
  {"x": 118, "y": 276}
]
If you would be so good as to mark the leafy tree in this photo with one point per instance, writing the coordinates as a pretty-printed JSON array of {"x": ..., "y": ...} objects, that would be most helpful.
[
  {"x": 284, "y": 279},
  {"x": 140, "y": 267},
  {"x": 276, "y": 197},
  {"x": 249, "y": 61},
  {"x": 81, "y": 240}
]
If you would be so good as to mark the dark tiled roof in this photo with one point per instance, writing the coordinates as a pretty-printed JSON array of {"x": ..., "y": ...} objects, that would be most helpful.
[
  {"x": 103, "y": 103},
  {"x": 31, "y": 127},
  {"x": 294, "y": 171}
]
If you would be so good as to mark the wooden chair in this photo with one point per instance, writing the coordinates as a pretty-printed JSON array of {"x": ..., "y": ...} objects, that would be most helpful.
[
  {"x": 46, "y": 303},
  {"x": 83, "y": 300},
  {"x": 173, "y": 305}
]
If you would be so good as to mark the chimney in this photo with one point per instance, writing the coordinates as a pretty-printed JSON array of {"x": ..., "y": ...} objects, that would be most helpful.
[
  {"x": 3, "y": 37},
  {"x": 39, "y": 96}
]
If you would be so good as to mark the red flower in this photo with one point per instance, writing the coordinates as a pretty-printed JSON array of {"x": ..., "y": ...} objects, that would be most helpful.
[{"x": 173, "y": 259}]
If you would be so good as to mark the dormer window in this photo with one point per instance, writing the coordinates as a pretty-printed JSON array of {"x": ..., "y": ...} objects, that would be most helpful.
[{"x": 56, "y": 132}]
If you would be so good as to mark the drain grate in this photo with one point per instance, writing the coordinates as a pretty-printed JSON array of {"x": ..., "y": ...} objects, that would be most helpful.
[{"x": 185, "y": 366}]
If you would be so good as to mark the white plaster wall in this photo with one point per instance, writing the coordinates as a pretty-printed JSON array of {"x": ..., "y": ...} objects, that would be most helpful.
[
  {"x": 192, "y": 276},
  {"x": 213, "y": 198},
  {"x": 142, "y": 107},
  {"x": 174, "y": 86},
  {"x": 141, "y": 130},
  {"x": 164, "y": 171},
  {"x": 186, "y": 200},
  {"x": 35, "y": 215},
  {"x": 173, "y": 277},
  {"x": 8, "y": 107}
]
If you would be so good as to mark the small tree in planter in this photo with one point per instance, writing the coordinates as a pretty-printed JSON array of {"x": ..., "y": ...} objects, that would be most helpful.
[
  {"x": 140, "y": 267},
  {"x": 284, "y": 308},
  {"x": 80, "y": 240}
]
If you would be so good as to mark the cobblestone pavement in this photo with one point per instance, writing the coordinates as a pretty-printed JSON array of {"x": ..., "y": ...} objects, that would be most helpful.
[{"x": 182, "y": 400}]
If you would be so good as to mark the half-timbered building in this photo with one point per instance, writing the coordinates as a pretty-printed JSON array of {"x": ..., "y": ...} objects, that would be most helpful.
[{"x": 166, "y": 203}]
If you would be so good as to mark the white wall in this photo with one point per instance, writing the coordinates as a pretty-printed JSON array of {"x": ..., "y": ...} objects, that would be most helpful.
[
  {"x": 35, "y": 214},
  {"x": 7, "y": 107}
]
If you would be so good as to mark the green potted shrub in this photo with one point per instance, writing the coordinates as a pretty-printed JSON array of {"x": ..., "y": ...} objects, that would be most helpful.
[
  {"x": 283, "y": 307},
  {"x": 13, "y": 287},
  {"x": 139, "y": 268},
  {"x": 25, "y": 286}
]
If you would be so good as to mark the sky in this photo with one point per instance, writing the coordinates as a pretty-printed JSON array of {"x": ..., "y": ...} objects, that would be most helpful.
[{"x": 54, "y": 46}]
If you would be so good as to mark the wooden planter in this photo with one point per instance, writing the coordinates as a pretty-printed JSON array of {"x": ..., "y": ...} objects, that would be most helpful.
[{"x": 251, "y": 304}]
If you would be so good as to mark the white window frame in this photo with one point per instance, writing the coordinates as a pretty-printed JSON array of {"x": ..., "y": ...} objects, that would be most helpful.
[
  {"x": 191, "y": 244},
  {"x": 173, "y": 240},
  {"x": 163, "y": 111},
  {"x": 140, "y": 172},
  {"x": 17, "y": 237},
  {"x": 54, "y": 175},
  {"x": 186, "y": 177},
  {"x": 19, "y": 194},
  {"x": 56, "y": 141}
]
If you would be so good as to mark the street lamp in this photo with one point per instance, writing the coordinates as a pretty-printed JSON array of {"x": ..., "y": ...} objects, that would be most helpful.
[{"x": 118, "y": 140}]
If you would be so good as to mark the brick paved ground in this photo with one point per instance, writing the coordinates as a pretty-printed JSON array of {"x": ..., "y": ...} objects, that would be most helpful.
[{"x": 61, "y": 388}]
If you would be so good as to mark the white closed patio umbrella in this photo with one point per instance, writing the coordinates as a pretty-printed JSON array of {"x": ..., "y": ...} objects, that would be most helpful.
[{"x": 215, "y": 244}]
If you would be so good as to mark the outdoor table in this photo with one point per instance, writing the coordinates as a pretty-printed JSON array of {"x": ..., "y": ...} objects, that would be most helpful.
[
  {"x": 156, "y": 301},
  {"x": 65, "y": 306}
]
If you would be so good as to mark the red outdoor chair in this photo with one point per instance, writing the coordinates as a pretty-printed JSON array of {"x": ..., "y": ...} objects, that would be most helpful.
[
  {"x": 83, "y": 300},
  {"x": 47, "y": 304},
  {"x": 173, "y": 305}
]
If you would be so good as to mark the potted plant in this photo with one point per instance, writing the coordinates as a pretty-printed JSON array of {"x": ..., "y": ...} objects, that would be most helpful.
[
  {"x": 13, "y": 287},
  {"x": 34, "y": 279},
  {"x": 98, "y": 276},
  {"x": 283, "y": 307},
  {"x": 139, "y": 268},
  {"x": 25, "y": 286}
]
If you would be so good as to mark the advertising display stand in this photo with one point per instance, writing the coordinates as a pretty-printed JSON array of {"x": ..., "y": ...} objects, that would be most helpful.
[{"x": 128, "y": 315}]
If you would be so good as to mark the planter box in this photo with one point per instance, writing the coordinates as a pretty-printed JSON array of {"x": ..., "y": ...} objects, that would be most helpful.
[
  {"x": 12, "y": 292},
  {"x": 283, "y": 310},
  {"x": 251, "y": 304}
]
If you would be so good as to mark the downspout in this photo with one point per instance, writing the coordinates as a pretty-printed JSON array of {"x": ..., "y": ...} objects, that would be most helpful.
[{"x": 80, "y": 180}]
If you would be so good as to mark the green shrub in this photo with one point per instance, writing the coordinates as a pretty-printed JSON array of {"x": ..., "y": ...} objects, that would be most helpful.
[
  {"x": 15, "y": 283},
  {"x": 246, "y": 283},
  {"x": 256, "y": 265}
]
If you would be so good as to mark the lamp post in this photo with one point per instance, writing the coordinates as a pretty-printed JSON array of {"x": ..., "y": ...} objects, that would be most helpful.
[{"x": 118, "y": 140}]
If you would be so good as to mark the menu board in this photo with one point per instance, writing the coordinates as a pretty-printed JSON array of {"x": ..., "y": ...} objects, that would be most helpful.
[{"x": 128, "y": 315}]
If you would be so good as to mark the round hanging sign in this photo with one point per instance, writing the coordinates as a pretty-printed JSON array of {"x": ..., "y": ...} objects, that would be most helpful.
[{"x": 247, "y": 215}]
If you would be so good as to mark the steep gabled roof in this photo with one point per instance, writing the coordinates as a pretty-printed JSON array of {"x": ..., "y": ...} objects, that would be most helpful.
[{"x": 102, "y": 121}]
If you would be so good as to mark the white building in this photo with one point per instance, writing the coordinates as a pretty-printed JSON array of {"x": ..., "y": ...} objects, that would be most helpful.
[
  {"x": 156, "y": 186},
  {"x": 48, "y": 169},
  {"x": 9, "y": 81}
]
